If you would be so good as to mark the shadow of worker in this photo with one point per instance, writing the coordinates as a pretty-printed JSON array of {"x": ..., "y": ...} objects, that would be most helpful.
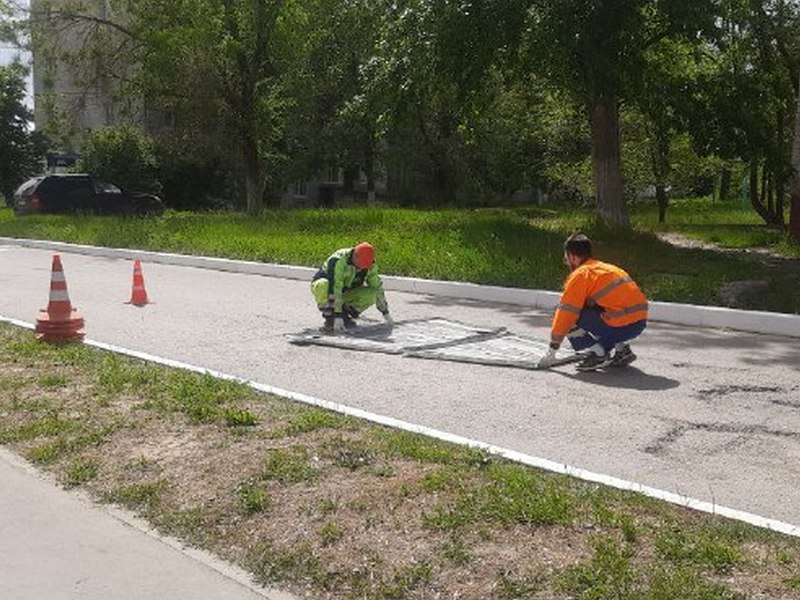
[{"x": 629, "y": 378}]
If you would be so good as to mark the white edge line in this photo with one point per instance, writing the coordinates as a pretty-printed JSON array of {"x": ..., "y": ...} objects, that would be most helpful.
[{"x": 519, "y": 457}]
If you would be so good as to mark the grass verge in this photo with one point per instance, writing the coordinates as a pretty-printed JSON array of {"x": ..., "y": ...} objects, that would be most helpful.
[
  {"x": 328, "y": 506},
  {"x": 510, "y": 247}
]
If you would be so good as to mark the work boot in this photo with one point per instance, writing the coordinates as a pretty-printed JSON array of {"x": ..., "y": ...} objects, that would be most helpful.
[
  {"x": 623, "y": 356},
  {"x": 327, "y": 326},
  {"x": 593, "y": 361},
  {"x": 350, "y": 311},
  {"x": 349, "y": 322}
]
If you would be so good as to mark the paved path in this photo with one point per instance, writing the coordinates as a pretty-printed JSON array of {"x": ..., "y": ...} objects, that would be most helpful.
[
  {"x": 714, "y": 415},
  {"x": 59, "y": 546}
]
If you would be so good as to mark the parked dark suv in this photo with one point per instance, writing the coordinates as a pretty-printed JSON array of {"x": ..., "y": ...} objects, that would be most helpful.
[{"x": 80, "y": 193}]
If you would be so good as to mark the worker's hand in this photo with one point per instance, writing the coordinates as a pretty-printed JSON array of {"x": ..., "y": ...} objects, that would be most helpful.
[
  {"x": 388, "y": 318},
  {"x": 548, "y": 360}
]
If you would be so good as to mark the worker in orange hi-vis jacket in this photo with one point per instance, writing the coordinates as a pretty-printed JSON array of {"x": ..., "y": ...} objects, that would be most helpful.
[{"x": 600, "y": 310}]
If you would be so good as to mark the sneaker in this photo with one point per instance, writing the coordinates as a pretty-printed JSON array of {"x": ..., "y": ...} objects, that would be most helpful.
[
  {"x": 623, "y": 356},
  {"x": 593, "y": 361}
]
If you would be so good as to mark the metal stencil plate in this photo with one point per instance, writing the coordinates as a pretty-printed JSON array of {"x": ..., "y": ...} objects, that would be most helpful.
[
  {"x": 402, "y": 337},
  {"x": 505, "y": 350}
]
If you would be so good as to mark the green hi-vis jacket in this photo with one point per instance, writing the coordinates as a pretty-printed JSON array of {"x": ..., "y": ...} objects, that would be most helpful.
[{"x": 342, "y": 275}]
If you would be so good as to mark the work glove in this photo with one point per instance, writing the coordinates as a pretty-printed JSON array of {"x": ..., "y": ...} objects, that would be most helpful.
[
  {"x": 548, "y": 360},
  {"x": 388, "y": 318}
]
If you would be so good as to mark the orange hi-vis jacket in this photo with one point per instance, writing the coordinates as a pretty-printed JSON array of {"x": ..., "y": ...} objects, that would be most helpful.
[{"x": 600, "y": 284}]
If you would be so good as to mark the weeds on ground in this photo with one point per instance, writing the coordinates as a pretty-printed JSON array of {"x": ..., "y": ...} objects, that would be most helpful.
[{"x": 332, "y": 507}]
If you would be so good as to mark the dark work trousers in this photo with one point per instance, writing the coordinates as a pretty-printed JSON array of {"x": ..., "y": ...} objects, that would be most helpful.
[{"x": 597, "y": 331}]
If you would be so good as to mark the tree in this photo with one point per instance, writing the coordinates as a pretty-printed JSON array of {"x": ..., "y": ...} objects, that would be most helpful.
[
  {"x": 224, "y": 61},
  {"x": 21, "y": 150},
  {"x": 794, "y": 216},
  {"x": 230, "y": 57},
  {"x": 596, "y": 50},
  {"x": 742, "y": 103},
  {"x": 123, "y": 155},
  {"x": 334, "y": 119},
  {"x": 433, "y": 61}
]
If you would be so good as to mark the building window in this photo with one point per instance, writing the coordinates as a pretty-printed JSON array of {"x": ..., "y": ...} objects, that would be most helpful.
[
  {"x": 334, "y": 175},
  {"x": 300, "y": 188}
]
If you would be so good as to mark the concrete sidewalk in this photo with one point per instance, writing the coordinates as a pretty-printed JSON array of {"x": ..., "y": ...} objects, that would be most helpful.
[{"x": 58, "y": 545}]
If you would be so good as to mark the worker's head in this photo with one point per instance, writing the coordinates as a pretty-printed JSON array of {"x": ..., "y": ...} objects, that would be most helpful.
[
  {"x": 577, "y": 248},
  {"x": 363, "y": 256}
]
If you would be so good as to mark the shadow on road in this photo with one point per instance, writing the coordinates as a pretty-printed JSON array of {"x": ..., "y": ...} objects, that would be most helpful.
[{"x": 628, "y": 378}]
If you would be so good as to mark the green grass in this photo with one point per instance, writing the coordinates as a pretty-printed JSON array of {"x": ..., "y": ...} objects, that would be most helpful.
[
  {"x": 288, "y": 466},
  {"x": 611, "y": 574},
  {"x": 80, "y": 472},
  {"x": 510, "y": 247},
  {"x": 137, "y": 496},
  {"x": 311, "y": 419},
  {"x": 252, "y": 496},
  {"x": 512, "y": 495}
]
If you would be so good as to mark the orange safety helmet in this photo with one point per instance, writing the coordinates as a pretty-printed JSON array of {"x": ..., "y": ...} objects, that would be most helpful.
[{"x": 363, "y": 255}]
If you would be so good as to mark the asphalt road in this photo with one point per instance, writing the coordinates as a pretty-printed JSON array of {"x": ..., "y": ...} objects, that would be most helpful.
[{"x": 713, "y": 415}]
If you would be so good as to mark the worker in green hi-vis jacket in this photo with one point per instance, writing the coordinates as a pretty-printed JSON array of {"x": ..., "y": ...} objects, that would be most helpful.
[{"x": 347, "y": 284}]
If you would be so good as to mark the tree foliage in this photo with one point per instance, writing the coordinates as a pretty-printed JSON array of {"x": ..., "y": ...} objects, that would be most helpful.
[
  {"x": 21, "y": 149},
  {"x": 466, "y": 102},
  {"x": 123, "y": 155}
]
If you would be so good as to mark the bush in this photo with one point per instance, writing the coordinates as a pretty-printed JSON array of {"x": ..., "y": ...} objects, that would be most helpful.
[
  {"x": 193, "y": 182},
  {"x": 122, "y": 155}
]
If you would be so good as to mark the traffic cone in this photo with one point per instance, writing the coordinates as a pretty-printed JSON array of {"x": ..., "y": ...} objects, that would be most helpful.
[
  {"x": 59, "y": 322},
  {"x": 139, "y": 293}
]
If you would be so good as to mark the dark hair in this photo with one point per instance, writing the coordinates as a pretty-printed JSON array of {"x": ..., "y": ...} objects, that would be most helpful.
[{"x": 579, "y": 245}]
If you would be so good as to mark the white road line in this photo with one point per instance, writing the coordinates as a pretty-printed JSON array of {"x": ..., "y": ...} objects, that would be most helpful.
[{"x": 526, "y": 459}]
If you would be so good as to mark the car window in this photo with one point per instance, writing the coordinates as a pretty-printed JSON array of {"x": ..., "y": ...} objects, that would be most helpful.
[
  {"x": 103, "y": 187},
  {"x": 75, "y": 185}
]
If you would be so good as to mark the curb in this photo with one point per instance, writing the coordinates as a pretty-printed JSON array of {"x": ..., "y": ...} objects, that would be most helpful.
[{"x": 691, "y": 315}]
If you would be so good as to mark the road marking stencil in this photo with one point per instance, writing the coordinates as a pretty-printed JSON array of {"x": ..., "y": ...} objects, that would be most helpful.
[{"x": 439, "y": 339}]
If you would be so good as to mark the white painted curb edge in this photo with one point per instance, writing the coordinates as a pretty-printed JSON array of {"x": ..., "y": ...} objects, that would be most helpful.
[
  {"x": 526, "y": 459},
  {"x": 666, "y": 312}
]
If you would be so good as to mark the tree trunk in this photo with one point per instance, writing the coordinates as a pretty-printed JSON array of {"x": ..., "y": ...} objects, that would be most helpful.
[
  {"x": 661, "y": 171},
  {"x": 661, "y": 198},
  {"x": 254, "y": 180},
  {"x": 755, "y": 200},
  {"x": 794, "y": 214},
  {"x": 606, "y": 160},
  {"x": 725, "y": 185}
]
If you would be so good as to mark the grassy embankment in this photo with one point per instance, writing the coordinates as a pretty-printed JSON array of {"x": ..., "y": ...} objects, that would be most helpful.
[
  {"x": 331, "y": 507},
  {"x": 517, "y": 248}
]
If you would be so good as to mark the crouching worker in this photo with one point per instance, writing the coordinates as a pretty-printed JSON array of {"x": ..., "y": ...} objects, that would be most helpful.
[
  {"x": 347, "y": 284},
  {"x": 600, "y": 310}
]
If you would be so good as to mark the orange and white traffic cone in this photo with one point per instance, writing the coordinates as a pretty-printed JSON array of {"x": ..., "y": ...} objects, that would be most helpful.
[
  {"x": 139, "y": 293},
  {"x": 59, "y": 322}
]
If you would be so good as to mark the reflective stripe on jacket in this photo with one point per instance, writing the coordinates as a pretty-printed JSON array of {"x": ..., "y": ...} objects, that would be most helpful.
[
  {"x": 343, "y": 275},
  {"x": 596, "y": 283}
]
